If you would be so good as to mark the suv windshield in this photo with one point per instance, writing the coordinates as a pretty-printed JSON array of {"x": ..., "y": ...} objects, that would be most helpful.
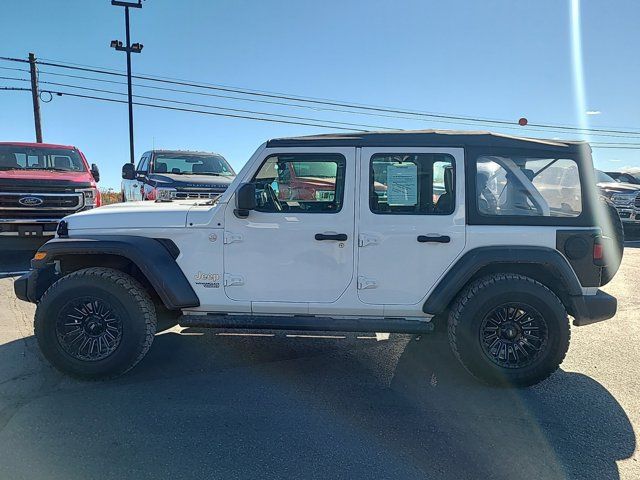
[
  {"x": 30, "y": 158},
  {"x": 191, "y": 164},
  {"x": 602, "y": 177}
]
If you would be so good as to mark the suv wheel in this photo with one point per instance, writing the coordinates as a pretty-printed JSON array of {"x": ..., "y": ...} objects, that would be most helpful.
[
  {"x": 508, "y": 329},
  {"x": 95, "y": 323}
]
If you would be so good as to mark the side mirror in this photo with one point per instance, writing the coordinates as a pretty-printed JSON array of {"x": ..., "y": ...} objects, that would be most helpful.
[
  {"x": 128, "y": 171},
  {"x": 95, "y": 172},
  {"x": 245, "y": 200}
]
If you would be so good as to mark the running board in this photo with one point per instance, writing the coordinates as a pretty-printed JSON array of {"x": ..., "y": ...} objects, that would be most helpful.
[{"x": 307, "y": 323}]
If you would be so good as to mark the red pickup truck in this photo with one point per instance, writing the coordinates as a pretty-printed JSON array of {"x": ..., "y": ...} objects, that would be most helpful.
[{"x": 42, "y": 183}]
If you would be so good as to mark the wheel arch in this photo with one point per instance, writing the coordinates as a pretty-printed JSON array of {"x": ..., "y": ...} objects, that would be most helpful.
[
  {"x": 150, "y": 261},
  {"x": 545, "y": 265}
]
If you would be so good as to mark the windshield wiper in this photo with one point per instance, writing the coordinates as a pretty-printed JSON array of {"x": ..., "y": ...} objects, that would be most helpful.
[{"x": 207, "y": 173}]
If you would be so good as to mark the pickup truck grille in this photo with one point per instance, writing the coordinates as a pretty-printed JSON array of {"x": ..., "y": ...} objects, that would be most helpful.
[
  {"x": 41, "y": 204},
  {"x": 187, "y": 193}
]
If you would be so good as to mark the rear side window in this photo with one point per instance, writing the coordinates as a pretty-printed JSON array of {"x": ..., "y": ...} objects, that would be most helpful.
[
  {"x": 412, "y": 184},
  {"x": 522, "y": 186},
  {"x": 303, "y": 183}
]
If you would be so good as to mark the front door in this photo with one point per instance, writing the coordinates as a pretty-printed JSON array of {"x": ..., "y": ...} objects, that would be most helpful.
[
  {"x": 412, "y": 224},
  {"x": 298, "y": 245}
]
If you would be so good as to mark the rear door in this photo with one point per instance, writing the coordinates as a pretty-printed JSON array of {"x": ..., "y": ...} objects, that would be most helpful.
[
  {"x": 298, "y": 245},
  {"x": 412, "y": 221}
]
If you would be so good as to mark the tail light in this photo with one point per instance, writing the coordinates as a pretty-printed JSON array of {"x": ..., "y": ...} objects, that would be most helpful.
[{"x": 600, "y": 251}]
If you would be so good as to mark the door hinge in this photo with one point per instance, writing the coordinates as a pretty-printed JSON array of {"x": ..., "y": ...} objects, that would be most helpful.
[
  {"x": 364, "y": 240},
  {"x": 365, "y": 283},
  {"x": 232, "y": 237},
  {"x": 232, "y": 280}
]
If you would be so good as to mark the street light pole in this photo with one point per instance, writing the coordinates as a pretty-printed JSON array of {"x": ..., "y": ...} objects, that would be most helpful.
[{"x": 128, "y": 48}]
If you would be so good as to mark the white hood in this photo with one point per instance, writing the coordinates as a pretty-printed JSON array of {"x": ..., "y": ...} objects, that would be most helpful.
[{"x": 133, "y": 215}]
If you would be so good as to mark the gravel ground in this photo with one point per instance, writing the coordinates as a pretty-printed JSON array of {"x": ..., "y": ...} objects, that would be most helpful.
[{"x": 208, "y": 405}]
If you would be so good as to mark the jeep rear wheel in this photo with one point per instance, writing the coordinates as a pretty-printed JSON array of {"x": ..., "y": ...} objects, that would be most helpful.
[
  {"x": 95, "y": 323},
  {"x": 508, "y": 329}
]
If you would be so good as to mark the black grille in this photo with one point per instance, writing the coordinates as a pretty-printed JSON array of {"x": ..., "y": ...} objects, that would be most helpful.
[
  {"x": 192, "y": 193},
  {"x": 39, "y": 205},
  {"x": 637, "y": 200}
]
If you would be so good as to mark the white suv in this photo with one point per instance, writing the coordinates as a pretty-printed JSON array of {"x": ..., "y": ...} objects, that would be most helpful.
[{"x": 377, "y": 232}]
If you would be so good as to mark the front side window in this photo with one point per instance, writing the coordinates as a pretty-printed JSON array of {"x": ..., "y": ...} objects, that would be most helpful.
[
  {"x": 29, "y": 158},
  {"x": 191, "y": 164},
  {"x": 412, "y": 184},
  {"x": 305, "y": 183},
  {"x": 522, "y": 186}
]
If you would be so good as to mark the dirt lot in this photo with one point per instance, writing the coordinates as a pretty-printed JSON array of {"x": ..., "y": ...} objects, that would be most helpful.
[{"x": 208, "y": 405}]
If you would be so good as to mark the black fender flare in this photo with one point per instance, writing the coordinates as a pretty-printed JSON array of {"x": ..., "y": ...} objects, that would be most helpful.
[
  {"x": 476, "y": 259},
  {"x": 155, "y": 258}
]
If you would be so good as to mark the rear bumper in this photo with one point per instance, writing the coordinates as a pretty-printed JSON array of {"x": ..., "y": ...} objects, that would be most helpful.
[{"x": 588, "y": 309}]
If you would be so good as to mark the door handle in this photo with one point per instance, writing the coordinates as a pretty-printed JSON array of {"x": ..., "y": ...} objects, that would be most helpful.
[
  {"x": 339, "y": 237},
  {"x": 434, "y": 238}
]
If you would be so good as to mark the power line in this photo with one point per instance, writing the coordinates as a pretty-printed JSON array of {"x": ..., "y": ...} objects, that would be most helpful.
[
  {"x": 165, "y": 107},
  {"x": 253, "y": 112},
  {"x": 314, "y": 108},
  {"x": 460, "y": 119}
]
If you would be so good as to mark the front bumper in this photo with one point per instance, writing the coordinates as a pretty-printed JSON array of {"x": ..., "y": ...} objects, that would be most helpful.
[
  {"x": 28, "y": 227},
  {"x": 32, "y": 285},
  {"x": 629, "y": 214},
  {"x": 588, "y": 309}
]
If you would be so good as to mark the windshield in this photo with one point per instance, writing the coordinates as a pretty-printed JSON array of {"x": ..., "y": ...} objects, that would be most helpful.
[
  {"x": 602, "y": 177},
  {"x": 30, "y": 158},
  {"x": 191, "y": 165}
]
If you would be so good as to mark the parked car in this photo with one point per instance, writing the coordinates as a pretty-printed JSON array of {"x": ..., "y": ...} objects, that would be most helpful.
[
  {"x": 177, "y": 174},
  {"x": 500, "y": 254},
  {"x": 625, "y": 177},
  {"x": 624, "y": 196},
  {"x": 42, "y": 183}
]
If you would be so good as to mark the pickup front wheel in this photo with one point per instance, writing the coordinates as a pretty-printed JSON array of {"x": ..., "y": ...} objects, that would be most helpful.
[
  {"x": 509, "y": 329},
  {"x": 95, "y": 323}
]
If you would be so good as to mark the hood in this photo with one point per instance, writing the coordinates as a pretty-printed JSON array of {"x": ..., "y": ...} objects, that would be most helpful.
[
  {"x": 132, "y": 216},
  {"x": 190, "y": 181},
  {"x": 617, "y": 187},
  {"x": 45, "y": 176}
]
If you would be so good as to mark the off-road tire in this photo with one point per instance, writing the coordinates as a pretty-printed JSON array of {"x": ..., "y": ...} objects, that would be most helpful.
[
  {"x": 124, "y": 294},
  {"x": 478, "y": 299}
]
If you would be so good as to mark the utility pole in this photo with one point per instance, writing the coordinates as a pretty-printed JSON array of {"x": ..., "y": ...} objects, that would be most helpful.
[
  {"x": 128, "y": 48},
  {"x": 35, "y": 97}
]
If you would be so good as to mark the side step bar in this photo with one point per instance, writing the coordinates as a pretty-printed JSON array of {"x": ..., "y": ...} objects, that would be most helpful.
[{"x": 307, "y": 323}]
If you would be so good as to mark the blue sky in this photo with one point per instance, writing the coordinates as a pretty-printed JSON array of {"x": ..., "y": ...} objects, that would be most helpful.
[{"x": 497, "y": 59}]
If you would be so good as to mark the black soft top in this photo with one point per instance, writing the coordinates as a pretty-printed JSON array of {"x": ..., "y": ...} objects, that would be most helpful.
[{"x": 427, "y": 138}]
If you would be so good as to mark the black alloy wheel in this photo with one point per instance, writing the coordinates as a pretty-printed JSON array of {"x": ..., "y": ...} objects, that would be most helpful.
[
  {"x": 513, "y": 335},
  {"x": 89, "y": 329}
]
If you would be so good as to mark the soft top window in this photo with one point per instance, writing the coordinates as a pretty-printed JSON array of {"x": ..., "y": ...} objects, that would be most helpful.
[{"x": 528, "y": 187}]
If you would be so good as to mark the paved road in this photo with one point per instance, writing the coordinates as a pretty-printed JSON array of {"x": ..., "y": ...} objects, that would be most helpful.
[{"x": 207, "y": 405}]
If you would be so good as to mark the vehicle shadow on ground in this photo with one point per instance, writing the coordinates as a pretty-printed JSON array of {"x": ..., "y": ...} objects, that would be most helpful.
[{"x": 201, "y": 405}]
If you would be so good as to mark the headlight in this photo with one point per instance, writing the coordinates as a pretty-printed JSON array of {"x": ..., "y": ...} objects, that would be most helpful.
[
  {"x": 91, "y": 197},
  {"x": 164, "y": 194},
  {"x": 623, "y": 198}
]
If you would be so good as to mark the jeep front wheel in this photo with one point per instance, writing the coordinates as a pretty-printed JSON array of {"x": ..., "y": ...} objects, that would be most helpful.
[
  {"x": 508, "y": 329},
  {"x": 95, "y": 323}
]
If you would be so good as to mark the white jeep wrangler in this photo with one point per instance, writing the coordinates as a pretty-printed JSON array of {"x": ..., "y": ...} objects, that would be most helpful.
[{"x": 367, "y": 232}]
